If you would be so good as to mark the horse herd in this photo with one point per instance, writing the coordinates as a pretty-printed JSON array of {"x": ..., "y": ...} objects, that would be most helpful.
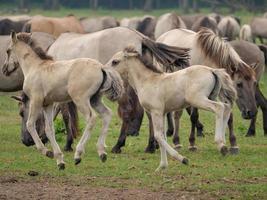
[{"x": 66, "y": 64}]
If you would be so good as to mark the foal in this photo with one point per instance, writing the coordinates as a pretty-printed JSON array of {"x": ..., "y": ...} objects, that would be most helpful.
[
  {"x": 196, "y": 86},
  {"x": 48, "y": 81}
]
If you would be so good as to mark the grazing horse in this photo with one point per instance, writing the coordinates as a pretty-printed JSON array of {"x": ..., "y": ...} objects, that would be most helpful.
[
  {"x": 168, "y": 22},
  {"x": 229, "y": 28},
  {"x": 245, "y": 33},
  {"x": 259, "y": 28},
  {"x": 47, "y": 82},
  {"x": 210, "y": 50},
  {"x": 53, "y": 26},
  {"x": 197, "y": 86},
  {"x": 7, "y": 25},
  {"x": 207, "y": 22}
]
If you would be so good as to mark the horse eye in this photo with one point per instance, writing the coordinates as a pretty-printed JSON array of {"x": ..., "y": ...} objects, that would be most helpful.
[
  {"x": 8, "y": 51},
  {"x": 115, "y": 62},
  {"x": 21, "y": 113},
  {"x": 239, "y": 85}
]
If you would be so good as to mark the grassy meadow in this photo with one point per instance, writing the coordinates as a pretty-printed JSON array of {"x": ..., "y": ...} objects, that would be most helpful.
[{"x": 242, "y": 176}]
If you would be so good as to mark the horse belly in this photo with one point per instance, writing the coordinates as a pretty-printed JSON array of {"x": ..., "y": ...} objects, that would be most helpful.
[{"x": 57, "y": 95}]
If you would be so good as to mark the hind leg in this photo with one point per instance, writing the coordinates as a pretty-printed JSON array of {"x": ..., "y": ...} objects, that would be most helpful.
[
  {"x": 170, "y": 124},
  {"x": 194, "y": 119},
  {"x": 261, "y": 100},
  {"x": 105, "y": 114},
  {"x": 218, "y": 108},
  {"x": 176, "y": 138},
  {"x": 152, "y": 143}
]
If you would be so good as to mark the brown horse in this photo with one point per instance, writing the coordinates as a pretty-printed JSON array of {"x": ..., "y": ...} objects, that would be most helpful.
[{"x": 53, "y": 26}]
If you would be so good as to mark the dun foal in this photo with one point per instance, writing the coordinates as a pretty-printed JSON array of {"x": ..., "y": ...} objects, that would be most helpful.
[
  {"x": 160, "y": 93},
  {"x": 47, "y": 81}
]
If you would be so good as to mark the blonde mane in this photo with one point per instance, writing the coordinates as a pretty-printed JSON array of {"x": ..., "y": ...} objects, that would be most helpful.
[
  {"x": 220, "y": 52},
  {"x": 27, "y": 39}
]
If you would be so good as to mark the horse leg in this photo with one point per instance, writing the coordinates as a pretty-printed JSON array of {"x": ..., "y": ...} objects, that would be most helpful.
[
  {"x": 136, "y": 122},
  {"x": 232, "y": 138},
  {"x": 34, "y": 109},
  {"x": 170, "y": 124},
  {"x": 263, "y": 105},
  {"x": 50, "y": 133},
  {"x": 85, "y": 108},
  {"x": 151, "y": 147},
  {"x": 194, "y": 119},
  {"x": 218, "y": 108},
  {"x": 176, "y": 138},
  {"x": 66, "y": 119},
  {"x": 105, "y": 114},
  {"x": 158, "y": 124},
  {"x": 194, "y": 112}
]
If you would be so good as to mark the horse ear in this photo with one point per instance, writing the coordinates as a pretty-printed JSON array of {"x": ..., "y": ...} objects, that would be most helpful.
[
  {"x": 13, "y": 36},
  {"x": 255, "y": 66},
  {"x": 17, "y": 98}
]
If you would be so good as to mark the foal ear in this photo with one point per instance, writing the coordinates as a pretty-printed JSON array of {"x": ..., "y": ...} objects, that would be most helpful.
[
  {"x": 17, "y": 98},
  {"x": 14, "y": 36}
]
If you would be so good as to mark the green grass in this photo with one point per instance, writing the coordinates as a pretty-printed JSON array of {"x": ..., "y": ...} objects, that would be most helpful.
[{"x": 241, "y": 176}]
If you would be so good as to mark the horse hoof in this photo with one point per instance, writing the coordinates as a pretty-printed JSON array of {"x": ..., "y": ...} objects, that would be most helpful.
[
  {"x": 250, "y": 135},
  {"x": 61, "y": 166},
  {"x": 116, "y": 150},
  {"x": 49, "y": 154},
  {"x": 103, "y": 157},
  {"x": 150, "y": 149},
  {"x": 234, "y": 150},
  {"x": 178, "y": 146},
  {"x": 77, "y": 161},
  {"x": 192, "y": 148},
  {"x": 224, "y": 150},
  {"x": 185, "y": 161},
  {"x": 200, "y": 134}
]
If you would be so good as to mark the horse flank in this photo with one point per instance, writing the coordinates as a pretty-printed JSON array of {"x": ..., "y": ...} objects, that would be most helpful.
[{"x": 221, "y": 53}]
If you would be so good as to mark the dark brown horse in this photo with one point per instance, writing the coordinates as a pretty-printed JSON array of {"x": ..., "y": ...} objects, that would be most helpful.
[{"x": 6, "y": 25}]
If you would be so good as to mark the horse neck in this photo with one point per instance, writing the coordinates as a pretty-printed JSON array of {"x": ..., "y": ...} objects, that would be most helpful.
[
  {"x": 27, "y": 58},
  {"x": 138, "y": 74}
]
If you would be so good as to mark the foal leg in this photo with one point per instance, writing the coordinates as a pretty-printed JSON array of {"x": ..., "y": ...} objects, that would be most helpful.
[
  {"x": 34, "y": 109},
  {"x": 85, "y": 108},
  {"x": 176, "y": 138},
  {"x": 50, "y": 133},
  {"x": 105, "y": 114},
  {"x": 218, "y": 109},
  {"x": 158, "y": 124}
]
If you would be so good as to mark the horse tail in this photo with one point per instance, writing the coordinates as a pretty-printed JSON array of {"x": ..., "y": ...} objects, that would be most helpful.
[
  {"x": 224, "y": 87},
  {"x": 26, "y": 28},
  {"x": 112, "y": 84},
  {"x": 74, "y": 119}
]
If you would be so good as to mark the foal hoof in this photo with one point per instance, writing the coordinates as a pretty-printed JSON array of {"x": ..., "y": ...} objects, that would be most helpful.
[
  {"x": 49, "y": 154},
  {"x": 185, "y": 161},
  {"x": 178, "y": 146},
  {"x": 116, "y": 150},
  {"x": 61, "y": 166},
  {"x": 77, "y": 161},
  {"x": 234, "y": 150},
  {"x": 103, "y": 157},
  {"x": 224, "y": 150},
  {"x": 192, "y": 148}
]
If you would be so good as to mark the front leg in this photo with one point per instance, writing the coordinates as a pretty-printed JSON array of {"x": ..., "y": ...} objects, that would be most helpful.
[
  {"x": 232, "y": 138},
  {"x": 170, "y": 124},
  {"x": 152, "y": 143},
  {"x": 261, "y": 100}
]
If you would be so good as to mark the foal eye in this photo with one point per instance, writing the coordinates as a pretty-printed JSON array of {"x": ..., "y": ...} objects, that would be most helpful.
[
  {"x": 115, "y": 62},
  {"x": 239, "y": 85},
  {"x": 8, "y": 51}
]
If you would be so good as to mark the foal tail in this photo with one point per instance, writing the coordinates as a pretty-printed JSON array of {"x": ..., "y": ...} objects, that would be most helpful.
[
  {"x": 224, "y": 87},
  {"x": 112, "y": 84}
]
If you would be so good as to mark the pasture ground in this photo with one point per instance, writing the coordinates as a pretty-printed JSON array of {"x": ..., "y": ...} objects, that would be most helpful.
[{"x": 130, "y": 175}]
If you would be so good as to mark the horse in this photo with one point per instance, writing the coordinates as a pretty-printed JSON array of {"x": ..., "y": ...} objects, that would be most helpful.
[
  {"x": 189, "y": 20},
  {"x": 147, "y": 26},
  {"x": 245, "y": 33},
  {"x": 253, "y": 56},
  {"x": 258, "y": 29},
  {"x": 6, "y": 25},
  {"x": 168, "y": 22},
  {"x": 91, "y": 25},
  {"x": 229, "y": 27},
  {"x": 14, "y": 82},
  {"x": 94, "y": 46},
  {"x": 47, "y": 82},
  {"x": 130, "y": 22},
  {"x": 209, "y": 49},
  {"x": 205, "y": 21},
  {"x": 196, "y": 86},
  {"x": 53, "y": 26}
]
